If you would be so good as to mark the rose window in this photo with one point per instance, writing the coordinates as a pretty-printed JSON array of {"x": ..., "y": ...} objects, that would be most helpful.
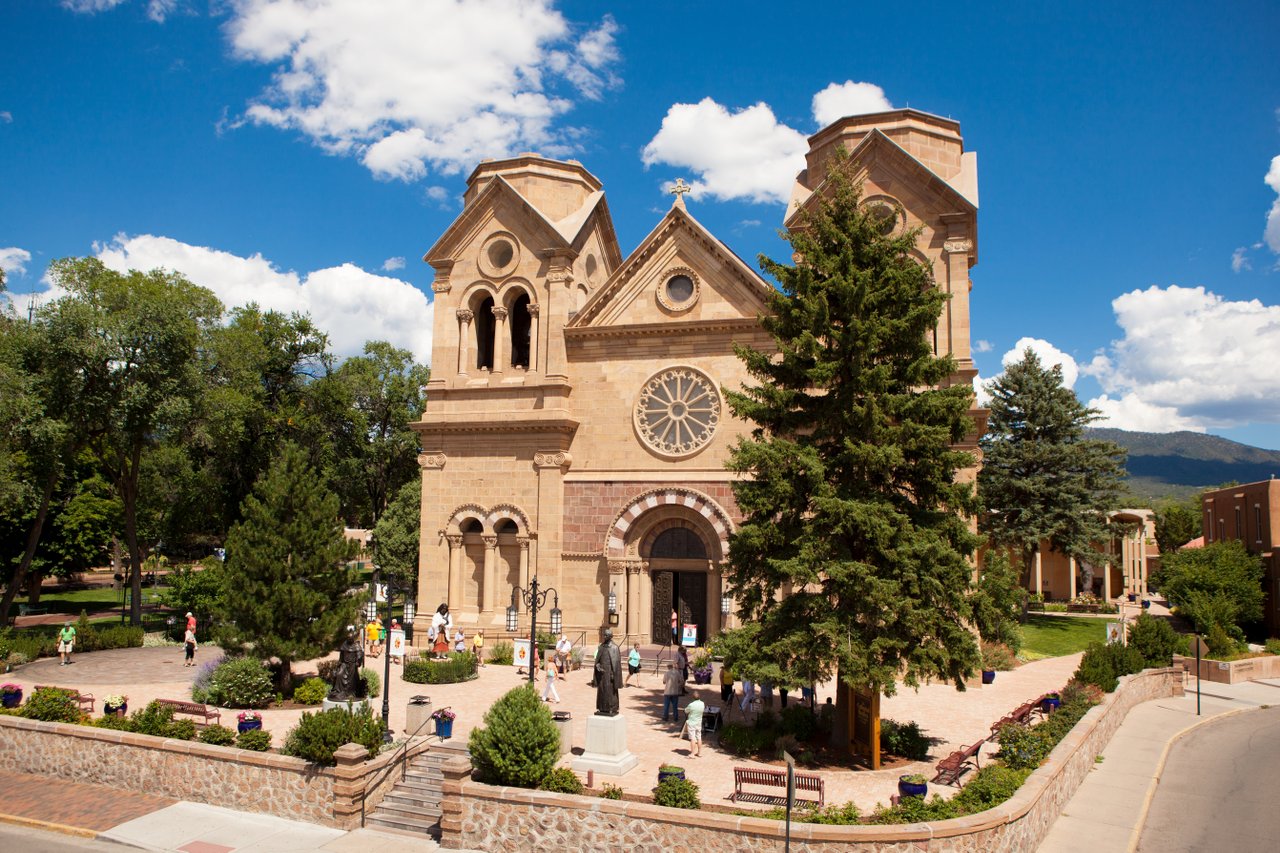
[{"x": 678, "y": 411}]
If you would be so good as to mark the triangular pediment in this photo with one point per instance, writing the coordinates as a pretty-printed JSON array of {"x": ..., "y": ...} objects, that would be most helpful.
[
  {"x": 878, "y": 160},
  {"x": 635, "y": 295}
]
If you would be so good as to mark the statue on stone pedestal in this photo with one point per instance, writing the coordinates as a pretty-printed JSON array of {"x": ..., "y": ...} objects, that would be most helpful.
[
  {"x": 347, "y": 684},
  {"x": 608, "y": 676}
]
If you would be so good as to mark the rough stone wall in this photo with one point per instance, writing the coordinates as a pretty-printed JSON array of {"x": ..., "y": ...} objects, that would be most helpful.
[{"x": 517, "y": 819}]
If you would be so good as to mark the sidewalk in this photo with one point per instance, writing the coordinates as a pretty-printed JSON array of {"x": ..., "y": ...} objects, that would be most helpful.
[{"x": 1108, "y": 811}]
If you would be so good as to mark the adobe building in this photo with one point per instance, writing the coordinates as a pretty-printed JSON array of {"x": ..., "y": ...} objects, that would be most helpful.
[
  {"x": 1131, "y": 557},
  {"x": 575, "y": 425},
  {"x": 1250, "y": 514}
]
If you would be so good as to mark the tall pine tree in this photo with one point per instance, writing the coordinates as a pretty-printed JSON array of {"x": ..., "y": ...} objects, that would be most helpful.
[
  {"x": 286, "y": 577},
  {"x": 1042, "y": 478},
  {"x": 853, "y": 556}
]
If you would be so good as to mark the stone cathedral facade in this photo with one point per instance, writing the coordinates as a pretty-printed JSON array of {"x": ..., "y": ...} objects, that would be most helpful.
[{"x": 575, "y": 427}]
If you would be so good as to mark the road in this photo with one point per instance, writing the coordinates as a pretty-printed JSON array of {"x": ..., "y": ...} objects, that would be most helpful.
[
  {"x": 30, "y": 840},
  {"x": 1219, "y": 788}
]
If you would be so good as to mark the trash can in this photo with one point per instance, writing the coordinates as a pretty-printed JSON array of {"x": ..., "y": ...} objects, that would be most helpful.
[
  {"x": 563, "y": 721},
  {"x": 418, "y": 716}
]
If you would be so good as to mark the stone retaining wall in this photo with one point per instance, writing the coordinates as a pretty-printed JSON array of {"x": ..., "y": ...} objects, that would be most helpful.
[
  {"x": 189, "y": 770},
  {"x": 1232, "y": 672},
  {"x": 476, "y": 815}
]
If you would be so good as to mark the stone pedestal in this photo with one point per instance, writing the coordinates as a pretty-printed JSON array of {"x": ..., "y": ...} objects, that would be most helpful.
[
  {"x": 353, "y": 705},
  {"x": 606, "y": 751}
]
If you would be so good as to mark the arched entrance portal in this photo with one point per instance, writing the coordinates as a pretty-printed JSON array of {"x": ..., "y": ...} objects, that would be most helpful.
[{"x": 678, "y": 569}]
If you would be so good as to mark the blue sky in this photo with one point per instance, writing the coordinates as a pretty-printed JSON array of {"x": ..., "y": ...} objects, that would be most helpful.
[{"x": 296, "y": 153}]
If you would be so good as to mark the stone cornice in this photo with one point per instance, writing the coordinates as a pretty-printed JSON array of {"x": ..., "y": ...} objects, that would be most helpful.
[
  {"x": 667, "y": 329},
  {"x": 462, "y": 424}
]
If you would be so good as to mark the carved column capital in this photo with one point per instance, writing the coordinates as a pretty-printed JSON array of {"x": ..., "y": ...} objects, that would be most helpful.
[
  {"x": 960, "y": 246},
  {"x": 523, "y": 542},
  {"x": 489, "y": 540},
  {"x": 500, "y": 313},
  {"x": 454, "y": 539},
  {"x": 431, "y": 459},
  {"x": 533, "y": 308},
  {"x": 465, "y": 315},
  {"x": 617, "y": 567},
  {"x": 552, "y": 459}
]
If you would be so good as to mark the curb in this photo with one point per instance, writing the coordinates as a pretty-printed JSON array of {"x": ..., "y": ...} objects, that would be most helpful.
[
  {"x": 33, "y": 823},
  {"x": 1136, "y": 836}
]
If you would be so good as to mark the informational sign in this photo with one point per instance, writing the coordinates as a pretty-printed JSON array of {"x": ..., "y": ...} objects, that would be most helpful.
[
  {"x": 1114, "y": 634},
  {"x": 689, "y": 636},
  {"x": 864, "y": 724},
  {"x": 522, "y": 655},
  {"x": 380, "y": 593},
  {"x": 396, "y": 644}
]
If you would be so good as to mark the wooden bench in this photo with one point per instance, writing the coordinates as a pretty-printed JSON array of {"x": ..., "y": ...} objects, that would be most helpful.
[
  {"x": 84, "y": 700},
  {"x": 1019, "y": 716},
  {"x": 950, "y": 769},
  {"x": 776, "y": 779},
  {"x": 29, "y": 610},
  {"x": 193, "y": 709}
]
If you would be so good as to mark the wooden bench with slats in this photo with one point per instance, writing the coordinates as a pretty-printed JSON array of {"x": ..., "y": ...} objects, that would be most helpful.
[
  {"x": 193, "y": 709},
  {"x": 776, "y": 779},
  {"x": 950, "y": 769}
]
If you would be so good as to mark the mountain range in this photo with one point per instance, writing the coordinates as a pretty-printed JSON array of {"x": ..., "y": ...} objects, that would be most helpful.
[{"x": 1179, "y": 464}]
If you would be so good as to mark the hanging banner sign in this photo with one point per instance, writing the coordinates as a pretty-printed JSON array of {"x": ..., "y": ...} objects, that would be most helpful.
[
  {"x": 689, "y": 637},
  {"x": 380, "y": 593},
  {"x": 521, "y": 657},
  {"x": 1114, "y": 636},
  {"x": 397, "y": 644}
]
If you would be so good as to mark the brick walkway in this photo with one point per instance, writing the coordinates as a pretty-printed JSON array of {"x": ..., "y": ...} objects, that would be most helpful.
[{"x": 72, "y": 804}]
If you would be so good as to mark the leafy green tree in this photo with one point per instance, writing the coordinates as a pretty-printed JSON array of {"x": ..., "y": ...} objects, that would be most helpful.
[
  {"x": 1219, "y": 584},
  {"x": 286, "y": 581},
  {"x": 201, "y": 591},
  {"x": 849, "y": 485},
  {"x": 398, "y": 532},
  {"x": 1041, "y": 478},
  {"x": 997, "y": 602},
  {"x": 1177, "y": 523}
]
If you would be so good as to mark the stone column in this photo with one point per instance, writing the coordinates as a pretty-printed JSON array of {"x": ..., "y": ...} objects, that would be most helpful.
[
  {"x": 646, "y": 605},
  {"x": 953, "y": 337},
  {"x": 1106, "y": 580},
  {"x": 349, "y": 784},
  {"x": 559, "y": 299},
  {"x": 455, "y": 573},
  {"x": 534, "y": 341},
  {"x": 715, "y": 587},
  {"x": 634, "y": 571},
  {"x": 1039, "y": 576},
  {"x": 499, "y": 339},
  {"x": 457, "y": 773},
  {"x": 464, "y": 336},
  {"x": 617, "y": 584},
  {"x": 490, "y": 572},
  {"x": 523, "y": 543},
  {"x": 1071, "y": 570}
]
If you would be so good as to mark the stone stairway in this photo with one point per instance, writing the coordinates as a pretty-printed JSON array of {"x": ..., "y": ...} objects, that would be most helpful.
[{"x": 413, "y": 805}]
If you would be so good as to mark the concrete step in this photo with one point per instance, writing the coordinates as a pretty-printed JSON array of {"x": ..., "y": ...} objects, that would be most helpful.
[
  {"x": 429, "y": 827},
  {"x": 390, "y": 809},
  {"x": 426, "y": 771},
  {"x": 412, "y": 798},
  {"x": 415, "y": 793}
]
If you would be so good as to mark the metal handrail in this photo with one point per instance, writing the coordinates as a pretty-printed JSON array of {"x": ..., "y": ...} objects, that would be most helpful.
[{"x": 382, "y": 774}]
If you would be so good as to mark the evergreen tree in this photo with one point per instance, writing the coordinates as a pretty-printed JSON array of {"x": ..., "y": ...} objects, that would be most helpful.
[
  {"x": 1042, "y": 479},
  {"x": 1177, "y": 523},
  {"x": 852, "y": 557},
  {"x": 397, "y": 533},
  {"x": 286, "y": 577}
]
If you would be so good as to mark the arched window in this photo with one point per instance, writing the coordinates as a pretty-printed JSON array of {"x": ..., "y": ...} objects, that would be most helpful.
[
  {"x": 484, "y": 334},
  {"x": 678, "y": 543},
  {"x": 472, "y": 526},
  {"x": 507, "y": 526},
  {"x": 519, "y": 321}
]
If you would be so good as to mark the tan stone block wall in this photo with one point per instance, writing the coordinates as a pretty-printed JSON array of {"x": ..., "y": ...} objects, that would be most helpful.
[
  {"x": 591, "y": 507},
  {"x": 517, "y": 819}
]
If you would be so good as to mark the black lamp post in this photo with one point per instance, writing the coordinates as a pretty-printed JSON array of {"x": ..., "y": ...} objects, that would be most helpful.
[
  {"x": 393, "y": 588},
  {"x": 534, "y": 599}
]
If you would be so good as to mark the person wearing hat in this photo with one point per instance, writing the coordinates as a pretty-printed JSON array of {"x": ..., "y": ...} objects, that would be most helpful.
[
  {"x": 66, "y": 641},
  {"x": 191, "y": 622}
]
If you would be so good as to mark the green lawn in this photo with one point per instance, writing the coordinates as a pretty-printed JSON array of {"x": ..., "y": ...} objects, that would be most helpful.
[{"x": 1054, "y": 636}]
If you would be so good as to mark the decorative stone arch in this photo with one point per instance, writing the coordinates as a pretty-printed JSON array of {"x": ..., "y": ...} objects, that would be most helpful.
[
  {"x": 510, "y": 512},
  {"x": 646, "y": 535},
  {"x": 464, "y": 513},
  {"x": 475, "y": 292},
  {"x": 512, "y": 290},
  {"x": 627, "y": 530}
]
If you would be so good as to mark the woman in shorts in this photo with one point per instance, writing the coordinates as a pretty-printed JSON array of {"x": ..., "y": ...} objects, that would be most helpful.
[{"x": 633, "y": 665}]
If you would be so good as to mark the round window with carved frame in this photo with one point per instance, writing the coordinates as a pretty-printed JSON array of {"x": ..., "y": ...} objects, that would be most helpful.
[
  {"x": 679, "y": 289},
  {"x": 499, "y": 255},
  {"x": 678, "y": 411}
]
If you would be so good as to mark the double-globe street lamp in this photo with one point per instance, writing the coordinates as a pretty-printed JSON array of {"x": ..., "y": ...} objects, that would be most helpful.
[
  {"x": 392, "y": 587},
  {"x": 534, "y": 599}
]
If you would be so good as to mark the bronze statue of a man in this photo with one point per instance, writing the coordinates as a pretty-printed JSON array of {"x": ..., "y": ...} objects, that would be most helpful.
[
  {"x": 608, "y": 676},
  {"x": 347, "y": 684}
]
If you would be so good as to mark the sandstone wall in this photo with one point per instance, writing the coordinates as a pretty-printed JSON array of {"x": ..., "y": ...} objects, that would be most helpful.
[{"x": 515, "y": 819}]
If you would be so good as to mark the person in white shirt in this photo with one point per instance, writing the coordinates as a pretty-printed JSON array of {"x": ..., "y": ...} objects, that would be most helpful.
[{"x": 563, "y": 647}]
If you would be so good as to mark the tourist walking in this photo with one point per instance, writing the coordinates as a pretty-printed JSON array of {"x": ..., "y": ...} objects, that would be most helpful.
[
  {"x": 563, "y": 647},
  {"x": 671, "y": 687},
  {"x": 549, "y": 689},
  {"x": 726, "y": 683},
  {"x": 459, "y": 641},
  {"x": 633, "y": 666},
  {"x": 675, "y": 621},
  {"x": 371, "y": 637},
  {"x": 748, "y": 693},
  {"x": 66, "y": 642},
  {"x": 477, "y": 646},
  {"x": 191, "y": 621},
  {"x": 190, "y": 642},
  {"x": 682, "y": 662},
  {"x": 693, "y": 722}
]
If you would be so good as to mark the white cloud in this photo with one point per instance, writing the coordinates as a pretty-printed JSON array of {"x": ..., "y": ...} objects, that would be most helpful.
[
  {"x": 90, "y": 7},
  {"x": 742, "y": 155},
  {"x": 396, "y": 263},
  {"x": 1272, "y": 233},
  {"x": 350, "y": 304},
  {"x": 982, "y": 346},
  {"x": 14, "y": 260},
  {"x": 848, "y": 99},
  {"x": 1192, "y": 357},
  {"x": 1239, "y": 260},
  {"x": 6, "y": 116},
  {"x": 1133, "y": 413},
  {"x": 1049, "y": 357},
  {"x": 158, "y": 10},
  {"x": 981, "y": 396},
  {"x": 412, "y": 86}
]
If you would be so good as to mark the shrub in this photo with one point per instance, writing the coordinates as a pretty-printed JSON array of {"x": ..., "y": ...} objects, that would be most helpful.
[
  {"x": 746, "y": 740},
  {"x": 218, "y": 735},
  {"x": 157, "y": 720},
  {"x": 111, "y": 721},
  {"x": 311, "y": 692},
  {"x": 1097, "y": 667},
  {"x": 997, "y": 656},
  {"x": 1020, "y": 747},
  {"x": 1272, "y": 646},
  {"x": 518, "y": 744},
  {"x": 52, "y": 705},
  {"x": 182, "y": 730},
  {"x": 562, "y": 780},
  {"x": 326, "y": 669},
  {"x": 241, "y": 683},
  {"x": 677, "y": 794},
  {"x": 1221, "y": 643},
  {"x": 204, "y": 677},
  {"x": 1154, "y": 639},
  {"x": 611, "y": 792},
  {"x": 318, "y": 735},
  {"x": 904, "y": 740},
  {"x": 372, "y": 682},
  {"x": 799, "y": 721},
  {"x": 459, "y": 666},
  {"x": 502, "y": 654},
  {"x": 915, "y": 810},
  {"x": 990, "y": 787},
  {"x": 258, "y": 740}
]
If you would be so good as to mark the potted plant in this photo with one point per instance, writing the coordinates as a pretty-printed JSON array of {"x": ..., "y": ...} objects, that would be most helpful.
[
  {"x": 702, "y": 668},
  {"x": 912, "y": 785},
  {"x": 115, "y": 705},
  {"x": 669, "y": 771},
  {"x": 1050, "y": 702},
  {"x": 575, "y": 658},
  {"x": 11, "y": 694},
  {"x": 248, "y": 721},
  {"x": 444, "y": 722}
]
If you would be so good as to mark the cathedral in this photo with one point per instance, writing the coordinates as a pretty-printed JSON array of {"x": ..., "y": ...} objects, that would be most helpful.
[{"x": 575, "y": 427}]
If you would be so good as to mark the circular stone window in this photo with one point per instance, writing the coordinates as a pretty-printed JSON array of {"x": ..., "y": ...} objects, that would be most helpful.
[
  {"x": 679, "y": 291},
  {"x": 885, "y": 216},
  {"x": 498, "y": 256},
  {"x": 678, "y": 411}
]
